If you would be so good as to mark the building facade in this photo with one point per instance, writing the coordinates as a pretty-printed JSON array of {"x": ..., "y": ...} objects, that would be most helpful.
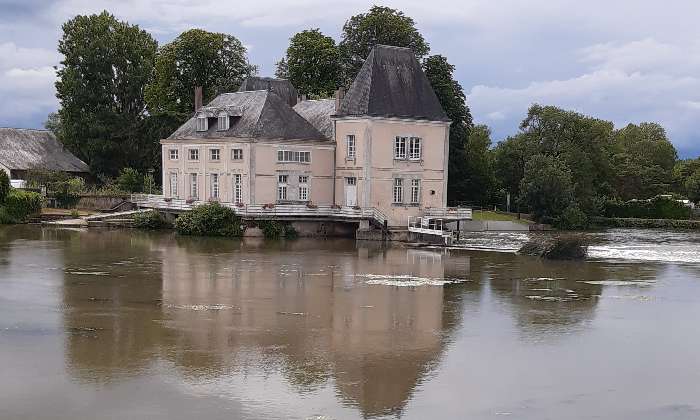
[{"x": 383, "y": 145}]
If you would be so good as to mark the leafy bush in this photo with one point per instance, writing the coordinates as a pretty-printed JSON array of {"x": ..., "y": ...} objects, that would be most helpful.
[
  {"x": 573, "y": 218},
  {"x": 22, "y": 204},
  {"x": 211, "y": 219},
  {"x": 5, "y": 218},
  {"x": 4, "y": 185},
  {"x": 656, "y": 208},
  {"x": 274, "y": 230},
  {"x": 645, "y": 223},
  {"x": 130, "y": 180},
  {"x": 150, "y": 220}
]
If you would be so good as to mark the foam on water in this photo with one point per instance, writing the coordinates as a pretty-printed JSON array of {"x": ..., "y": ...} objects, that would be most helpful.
[{"x": 405, "y": 280}]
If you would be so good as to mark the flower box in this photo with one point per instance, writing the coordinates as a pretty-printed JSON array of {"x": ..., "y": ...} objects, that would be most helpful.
[
  {"x": 335, "y": 207},
  {"x": 311, "y": 205},
  {"x": 190, "y": 200},
  {"x": 268, "y": 206},
  {"x": 240, "y": 205},
  {"x": 168, "y": 199}
]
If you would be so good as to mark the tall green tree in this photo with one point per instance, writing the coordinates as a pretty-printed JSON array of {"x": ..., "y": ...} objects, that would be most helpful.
[
  {"x": 215, "y": 61},
  {"x": 509, "y": 159},
  {"x": 313, "y": 63},
  {"x": 440, "y": 73},
  {"x": 644, "y": 160},
  {"x": 105, "y": 68},
  {"x": 282, "y": 69},
  {"x": 381, "y": 25},
  {"x": 547, "y": 187},
  {"x": 479, "y": 165}
]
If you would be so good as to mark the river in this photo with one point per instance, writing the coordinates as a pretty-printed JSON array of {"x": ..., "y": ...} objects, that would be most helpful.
[{"x": 118, "y": 324}]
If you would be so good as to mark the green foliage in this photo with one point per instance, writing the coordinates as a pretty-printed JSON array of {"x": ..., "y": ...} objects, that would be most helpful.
[
  {"x": 274, "y": 230},
  {"x": 480, "y": 177},
  {"x": 211, "y": 219},
  {"x": 130, "y": 180},
  {"x": 381, "y": 25},
  {"x": 440, "y": 73},
  {"x": 58, "y": 184},
  {"x": 215, "y": 61},
  {"x": 5, "y": 218},
  {"x": 312, "y": 63},
  {"x": 546, "y": 189},
  {"x": 655, "y": 208},
  {"x": 20, "y": 204},
  {"x": 645, "y": 223},
  {"x": 106, "y": 65},
  {"x": 4, "y": 185},
  {"x": 572, "y": 218},
  {"x": 509, "y": 159},
  {"x": 282, "y": 69},
  {"x": 644, "y": 159},
  {"x": 150, "y": 220}
]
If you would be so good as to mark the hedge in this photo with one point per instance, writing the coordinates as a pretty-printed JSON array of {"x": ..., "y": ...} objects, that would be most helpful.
[
  {"x": 274, "y": 230},
  {"x": 656, "y": 208},
  {"x": 20, "y": 205},
  {"x": 645, "y": 223},
  {"x": 150, "y": 220},
  {"x": 211, "y": 219}
]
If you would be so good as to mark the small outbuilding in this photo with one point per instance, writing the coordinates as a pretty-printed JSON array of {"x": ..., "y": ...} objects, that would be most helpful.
[{"x": 24, "y": 149}]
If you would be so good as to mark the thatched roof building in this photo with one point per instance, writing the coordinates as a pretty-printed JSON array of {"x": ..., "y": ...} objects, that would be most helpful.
[{"x": 22, "y": 149}]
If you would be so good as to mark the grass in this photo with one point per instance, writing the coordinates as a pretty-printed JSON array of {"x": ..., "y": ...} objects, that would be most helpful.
[{"x": 495, "y": 216}]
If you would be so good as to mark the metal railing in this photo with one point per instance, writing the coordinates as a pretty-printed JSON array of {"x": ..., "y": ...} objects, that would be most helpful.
[{"x": 453, "y": 213}]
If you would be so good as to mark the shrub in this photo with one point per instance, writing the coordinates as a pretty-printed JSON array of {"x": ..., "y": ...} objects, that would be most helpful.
[
  {"x": 573, "y": 218},
  {"x": 150, "y": 220},
  {"x": 570, "y": 247},
  {"x": 4, "y": 185},
  {"x": 5, "y": 218},
  {"x": 274, "y": 230},
  {"x": 22, "y": 204},
  {"x": 656, "y": 208},
  {"x": 210, "y": 219},
  {"x": 130, "y": 180}
]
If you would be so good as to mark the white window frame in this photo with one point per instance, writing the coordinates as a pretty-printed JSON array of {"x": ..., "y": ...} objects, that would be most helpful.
[
  {"x": 282, "y": 187},
  {"x": 193, "y": 152},
  {"x": 174, "y": 154},
  {"x": 350, "y": 180},
  {"x": 351, "y": 146},
  {"x": 222, "y": 122},
  {"x": 237, "y": 188},
  {"x": 414, "y": 148},
  {"x": 303, "y": 188},
  {"x": 215, "y": 154},
  {"x": 202, "y": 123},
  {"x": 194, "y": 186},
  {"x": 214, "y": 183},
  {"x": 398, "y": 191},
  {"x": 415, "y": 191},
  {"x": 173, "y": 184},
  {"x": 293, "y": 156},
  {"x": 237, "y": 154},
  {"x": 400, "y": 147}
]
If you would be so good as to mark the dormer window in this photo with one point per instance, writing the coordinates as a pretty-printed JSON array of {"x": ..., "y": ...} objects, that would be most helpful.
[
  {"x": 202, "y": 123},
  {"x": 223, "y": 123}
]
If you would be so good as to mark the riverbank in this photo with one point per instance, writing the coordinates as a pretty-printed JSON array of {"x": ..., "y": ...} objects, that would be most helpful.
[{"x": 619, "y": 222}]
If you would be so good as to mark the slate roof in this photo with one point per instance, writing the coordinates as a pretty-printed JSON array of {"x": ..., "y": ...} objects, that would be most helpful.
[
  {"x": 282, "y": 87},
  {"x": 23, "y": 149},
  {"x": 263, "y": 115},
  {"x": 391, "y": 83},
  {"x": 318, "y": 113}
]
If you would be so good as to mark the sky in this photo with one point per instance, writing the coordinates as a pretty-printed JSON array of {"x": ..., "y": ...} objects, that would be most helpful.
[{"x": 626, "y": 61}]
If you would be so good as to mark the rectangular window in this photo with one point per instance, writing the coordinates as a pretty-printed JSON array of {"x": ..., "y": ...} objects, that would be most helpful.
[
  {"x": 303, "y": 188},
  {"x": 173, "y": 154},
  {"x": 293, "y": 156},
  {"x": 351, "y": 180},
  {"x": 398, "y": 190},
  {"x": 414, "y": 149},
  {"x": 236, "y": 154},
  {"x": 237, "y": 188},
  {"x": 214, "y": 190},
  {"x": 282, "y": 187},
  {"x": 350, "y": 146},
  {"x": 400, "y": 148},
  {"x": 415, "y": 191},
  {"x": 223, "y": 121},
  {"x": 202, "y": 123},
  {"x": 194, "y": 190},
  {"x": 173, "y": 184},
  {"x": 214, "y": 154},
  {"x": 303, "y": 179},
  {"x": 194, "y": 154}
]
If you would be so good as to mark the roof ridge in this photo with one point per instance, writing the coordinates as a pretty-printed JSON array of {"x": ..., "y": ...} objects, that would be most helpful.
[
  {"x": 25, "y": 128},
  {"x": 396, "y": 47}
]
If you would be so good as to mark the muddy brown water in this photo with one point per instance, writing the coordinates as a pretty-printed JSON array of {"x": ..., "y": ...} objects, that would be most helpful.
[{"x": 132, "y": 325}]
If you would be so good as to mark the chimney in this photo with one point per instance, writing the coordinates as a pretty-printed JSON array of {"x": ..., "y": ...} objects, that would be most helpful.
[
  {"x": 197, "y": 98},
  {"x": 339, "y": 95}
]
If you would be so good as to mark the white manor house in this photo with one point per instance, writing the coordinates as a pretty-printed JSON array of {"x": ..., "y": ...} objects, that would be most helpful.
[{"x": 381, "y": 149}]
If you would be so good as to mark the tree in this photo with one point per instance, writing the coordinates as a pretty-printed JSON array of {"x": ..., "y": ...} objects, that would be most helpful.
[
  {"x": 644, "y": 160},
  {"x": 546, "y": 188},
  {"x": 130, "y": 180},
  {"x": 692, "y": 187},
  {"x": 313, "y": 63},
  {"x": 215, "y": 61},
  {"x": 453, "y": 101},
  {"x": 480, "y": 178},
  {"x": 381, "y": 25},
  {"x": 509, "y": 159},
  {"x": 282, "y": 69},
  {"x": 106, "y": 66},
  {"x": 583, "y": 145},
  {"x": 4, "y": 185}
]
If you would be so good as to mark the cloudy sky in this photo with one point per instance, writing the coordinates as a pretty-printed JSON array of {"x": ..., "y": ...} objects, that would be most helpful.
[{"x": 621, "y": 60}]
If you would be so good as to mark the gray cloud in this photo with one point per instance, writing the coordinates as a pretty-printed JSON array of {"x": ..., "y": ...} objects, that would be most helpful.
[{"x": 626, "y": 61}]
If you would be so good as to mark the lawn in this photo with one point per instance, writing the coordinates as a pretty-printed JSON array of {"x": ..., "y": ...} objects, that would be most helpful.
[{"x": 495, "y": 216}]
